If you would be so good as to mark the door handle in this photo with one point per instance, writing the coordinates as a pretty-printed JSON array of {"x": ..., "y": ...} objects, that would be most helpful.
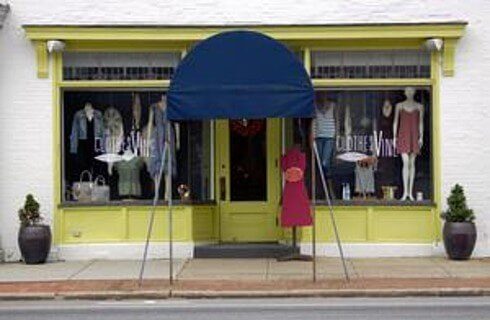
[{"x": 222, "y": 188}]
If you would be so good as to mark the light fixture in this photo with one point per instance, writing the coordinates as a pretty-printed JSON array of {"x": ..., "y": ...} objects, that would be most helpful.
[
  {"x": 434, "y": 44},
  {"x": 55, "y": 46},
  {"x": 4, "y": 10}
]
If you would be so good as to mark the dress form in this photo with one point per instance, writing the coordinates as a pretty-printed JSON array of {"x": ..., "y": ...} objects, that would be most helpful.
[
  {"x": 89, "y": 111},
  {"x": 156, "y": 131},
  {"x": 410, "y": 107}
]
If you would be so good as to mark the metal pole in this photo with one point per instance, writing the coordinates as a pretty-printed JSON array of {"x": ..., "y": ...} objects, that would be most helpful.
[
  {"x": 313, "y": 202},
  {"x": 170, "y": 227},
  {"x": 152, "y": 214},
  {"x": 329, "y": 203}
]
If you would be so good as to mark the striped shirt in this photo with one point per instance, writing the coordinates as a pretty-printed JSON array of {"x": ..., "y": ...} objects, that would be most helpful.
[{"x": 324, "y": 124}]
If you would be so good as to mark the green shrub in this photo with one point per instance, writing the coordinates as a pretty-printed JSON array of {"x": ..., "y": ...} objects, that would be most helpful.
[
  {"x": 457, "y": 211},
  {"x": 29, "y": 214}
]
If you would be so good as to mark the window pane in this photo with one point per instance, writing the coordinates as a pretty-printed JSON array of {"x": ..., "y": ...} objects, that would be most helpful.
[
  {"x": 113, "y": 136},
  {"x": 370, "y": 64},
  {"x": 361, "y": 158},
  {"x": 119, "y": 66},
  {"x": 248, "y": 160}
]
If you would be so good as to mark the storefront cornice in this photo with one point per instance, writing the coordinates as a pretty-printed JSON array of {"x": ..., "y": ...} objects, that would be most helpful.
[
  {"x": 313, "y": 37},
  {"x": 452, "y": 29}
]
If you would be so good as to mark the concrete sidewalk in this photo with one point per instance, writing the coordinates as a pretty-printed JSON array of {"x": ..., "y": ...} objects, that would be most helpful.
[{"x": 246, "y": 277}]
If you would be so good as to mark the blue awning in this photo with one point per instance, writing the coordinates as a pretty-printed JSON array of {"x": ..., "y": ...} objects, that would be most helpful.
[{"x": 240, "y": 74}]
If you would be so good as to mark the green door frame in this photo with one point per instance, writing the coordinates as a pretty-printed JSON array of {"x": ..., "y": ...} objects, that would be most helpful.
[{"x": 248, "y": 221}]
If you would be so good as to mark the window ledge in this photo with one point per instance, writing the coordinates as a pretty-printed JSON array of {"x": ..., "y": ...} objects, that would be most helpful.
[
  {"x": 378, "y": 203},
  {"x": 75, "y": 204}
]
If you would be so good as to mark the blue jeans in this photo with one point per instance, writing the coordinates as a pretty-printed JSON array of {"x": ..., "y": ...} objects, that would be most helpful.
[{"x": 325, "y": 151}]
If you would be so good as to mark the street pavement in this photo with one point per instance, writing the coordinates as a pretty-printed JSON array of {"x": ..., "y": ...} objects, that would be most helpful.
[
  {"x": 238, "y": 309},
  {"x": 240, "y": 278}
]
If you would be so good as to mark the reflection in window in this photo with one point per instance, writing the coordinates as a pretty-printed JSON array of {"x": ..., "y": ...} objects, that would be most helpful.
[
  {"x": 361, "y": 156},
  {"x": 370, "y": 64},
  {"x": 113, "y": 140},
  {"x": 119, "y": 66}
]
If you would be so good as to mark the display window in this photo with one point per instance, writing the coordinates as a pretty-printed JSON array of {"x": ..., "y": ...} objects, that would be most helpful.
[
  {"x": 374, "y": 144},
  {"x": 112, "y": 147}
]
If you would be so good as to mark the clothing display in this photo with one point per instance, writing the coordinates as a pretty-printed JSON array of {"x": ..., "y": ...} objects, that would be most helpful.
[
  {"x": 324, "y": 123},
  {"x": 386, "y": 159},
  {"x": 157, "y": 143},
  {"x": 408, "y": 132},
  {"x": 364, "y": 179},
  {"x": 325, "y": 148},
  {"x": 129, "y": 177},
  {"x": 114, "y": 130},
  {"x": 295, "y": 201},
  {"x": 80, "y": 130}
]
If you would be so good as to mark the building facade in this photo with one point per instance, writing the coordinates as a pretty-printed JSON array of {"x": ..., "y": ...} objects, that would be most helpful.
[{"x": 83, "y": 108}]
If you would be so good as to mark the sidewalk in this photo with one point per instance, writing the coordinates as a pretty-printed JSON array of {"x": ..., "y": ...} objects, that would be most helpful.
[{"x": 245, "y": 277}]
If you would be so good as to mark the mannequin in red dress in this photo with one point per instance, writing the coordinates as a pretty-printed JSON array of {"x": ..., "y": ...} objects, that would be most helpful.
[{"x": 295, "y": 201}]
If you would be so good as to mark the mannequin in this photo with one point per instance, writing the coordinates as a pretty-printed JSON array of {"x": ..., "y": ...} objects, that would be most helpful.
[
  {"x": 87, "y": 123},
  {"x": 323, "y": 130},
  {"x": 89, "y": 111},
  {"x": 86, "y": 140},
  {"x": 408, "y": 130},
  {"x": 156, "y": 132},
  {"x": 386, "y": 154}
]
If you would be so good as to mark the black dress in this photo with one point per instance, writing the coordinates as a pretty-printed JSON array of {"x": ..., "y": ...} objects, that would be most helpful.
[{"x": 387, "y": 173}]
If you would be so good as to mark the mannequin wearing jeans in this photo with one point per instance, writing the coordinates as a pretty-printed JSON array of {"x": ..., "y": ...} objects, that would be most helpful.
[{"x": 323, "y": 131}]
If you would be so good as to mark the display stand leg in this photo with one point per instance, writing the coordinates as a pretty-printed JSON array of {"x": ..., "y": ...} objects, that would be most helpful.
[
  {"x": 330, "y": 207},
  {"x": 152, "y": 214},
  {"x": 296, "y": 254},
  {"x": 313, "y": 212},
  {"x": 170, "y": 223}
]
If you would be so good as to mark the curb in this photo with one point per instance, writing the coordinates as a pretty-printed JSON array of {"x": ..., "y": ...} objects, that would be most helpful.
[
  {"x": 205, "y": 294},
  {"x": 332, "y": 293}
]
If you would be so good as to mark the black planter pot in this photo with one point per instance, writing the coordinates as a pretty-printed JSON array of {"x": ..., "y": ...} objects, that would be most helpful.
[
  {"x": 34, "y": 243},
  {"x": 459, "y": 239}
]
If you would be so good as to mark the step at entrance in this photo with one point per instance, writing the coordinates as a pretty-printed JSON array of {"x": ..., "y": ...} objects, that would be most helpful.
[{"x": 243, "y": 250}]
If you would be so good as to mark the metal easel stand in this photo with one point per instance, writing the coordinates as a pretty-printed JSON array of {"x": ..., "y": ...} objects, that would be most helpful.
[
  {"x": 330, "y": 207},
  {"x": 152, "y": 212},
  {"x": 296, "y": 254}
]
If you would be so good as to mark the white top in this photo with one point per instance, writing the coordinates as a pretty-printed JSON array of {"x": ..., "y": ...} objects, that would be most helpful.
[{"x": 324, "y": 123}]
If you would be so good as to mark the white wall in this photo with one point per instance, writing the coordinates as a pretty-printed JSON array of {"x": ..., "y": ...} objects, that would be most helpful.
[{"x": 25, "y": 101}]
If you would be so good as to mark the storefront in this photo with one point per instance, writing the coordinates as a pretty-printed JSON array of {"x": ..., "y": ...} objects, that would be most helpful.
[{"x": 365, "y": 75}]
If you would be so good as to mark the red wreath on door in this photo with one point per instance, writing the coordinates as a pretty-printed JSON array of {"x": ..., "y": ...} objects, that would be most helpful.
[{"x": 247, "y": 128}]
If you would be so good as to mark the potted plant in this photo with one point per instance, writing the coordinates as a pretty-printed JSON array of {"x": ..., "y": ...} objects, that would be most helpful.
[
  {"x": 34, "y": 236},
  {"x": 459, "y": 231}
]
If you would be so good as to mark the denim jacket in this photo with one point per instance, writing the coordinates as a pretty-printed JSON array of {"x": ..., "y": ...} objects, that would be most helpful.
[
  {"x": 79, "y": 128},
  {"x": 157, "y": 144}
]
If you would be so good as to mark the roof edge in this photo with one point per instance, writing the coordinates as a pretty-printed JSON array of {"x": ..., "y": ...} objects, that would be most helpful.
[{"x": 244, "y": 25}]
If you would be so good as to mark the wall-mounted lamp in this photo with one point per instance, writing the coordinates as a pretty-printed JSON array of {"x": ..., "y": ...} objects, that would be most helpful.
[
  {"x": 4, "y": 10},
  {"x": 55, "y": 46},
  {"x": 434, "y": 44}
]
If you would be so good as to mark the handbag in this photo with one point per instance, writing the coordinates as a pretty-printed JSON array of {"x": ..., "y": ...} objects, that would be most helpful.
[
  {"x": 100, "y": 191},
  {"x": 82, "y": 190}
]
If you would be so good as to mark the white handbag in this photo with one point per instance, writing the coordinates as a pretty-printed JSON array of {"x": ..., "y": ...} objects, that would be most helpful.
[
  {"x": 82, "y": 190},
  {"x": 101, "y": 191}
]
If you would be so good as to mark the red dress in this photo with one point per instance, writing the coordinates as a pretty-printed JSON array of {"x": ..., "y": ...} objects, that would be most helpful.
[
  {"x": 407, "y": 140},
  {"x": 295, "y": 201}
]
